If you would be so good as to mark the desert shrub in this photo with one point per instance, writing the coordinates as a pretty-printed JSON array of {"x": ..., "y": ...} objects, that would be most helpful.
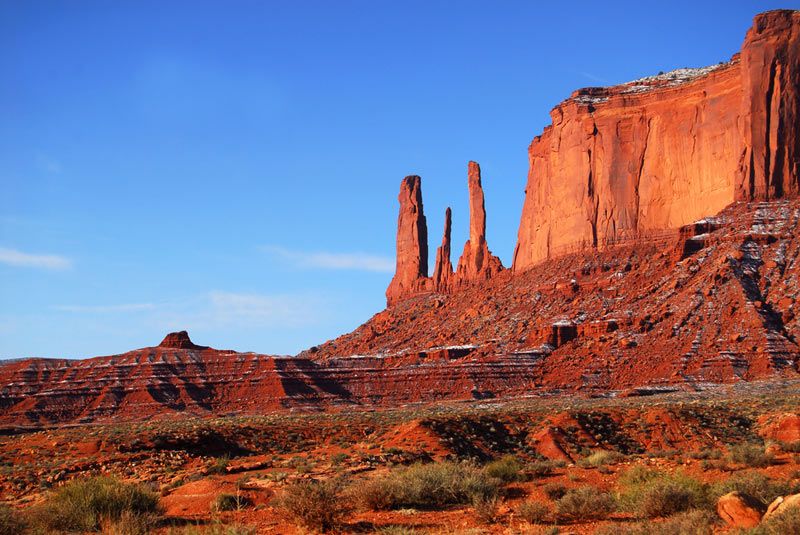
[
  {"x": 219, "y": 465},
  {"x": 338, "y": 458},
  {"x": 600, "y": 458},
  {"x": 790, "y": 447},
  {"x": 752, "y": 455},
  {"x": 652, "y": 494},
  {"x": 782, "y": 523},
  {"x": 315, "y": 505},
  {"x": 554, "y": 491},
  {"x": 688, "y": 523},
  {"x": 10, "y": 521},
  {"x": 543, "y": 468},
  {"x": 756, "y": 485},
  {"x": 507, "y": 469},
  {"x": 706, "y": 454},
  {"x": 428, "y": 486},
  {"x": 83, "y": 505},
  {"x": 533, "y": 512},
  {"x": 487, "y": 509},
  {"x": 230, "y": 502},
  {"x": 585, "y": 503},
  {"x": 130, "y": 524},
  {"x": 214, "y": 529},
  {"x": 396, "y": 530}
]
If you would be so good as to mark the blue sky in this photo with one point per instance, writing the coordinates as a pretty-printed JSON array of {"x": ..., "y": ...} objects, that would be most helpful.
[{"x": 232, "y": 168}]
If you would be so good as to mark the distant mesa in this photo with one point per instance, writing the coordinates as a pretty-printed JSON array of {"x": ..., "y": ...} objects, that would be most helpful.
[{"x": 179, "y": 340}]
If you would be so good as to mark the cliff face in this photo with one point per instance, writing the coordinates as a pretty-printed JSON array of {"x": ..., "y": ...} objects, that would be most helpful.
[{"x": 635, "y": 160}]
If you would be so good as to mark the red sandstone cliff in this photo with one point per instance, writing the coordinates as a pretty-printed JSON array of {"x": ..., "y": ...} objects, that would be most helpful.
[{"x": 657, "y": 153}]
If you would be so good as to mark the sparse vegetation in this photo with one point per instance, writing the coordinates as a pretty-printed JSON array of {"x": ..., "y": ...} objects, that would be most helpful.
[
  {"x": 486, "y": 509},
  {"x": 600, "y": 458},
  {"x": 428, "y": 486},
  {"x": 534, "y": 512},
  {"x": 507, "y": 469},
  {"x": 652, "y": 494},
  {"x": 785, "y": 522},
  {"x": 751, "y": 455},
  {"x": 11, "y": 522},
  {"x": 585, "y": 503},
  {"x": 230, "y": 502},
  {"x": 756, "y": 485},
  {"x": 554, "y": 491},
  {"x": 315, "y": 505},
  {"x": 687, "y": 523},
  {"x": 87, "y": 504}
]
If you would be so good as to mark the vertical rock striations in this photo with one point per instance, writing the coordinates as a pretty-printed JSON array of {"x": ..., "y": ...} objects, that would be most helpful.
[
  {"x": 476, "y": 262},
  {"x": 443, "y": 269},
  {"x": 411, "y": 274},
  {"x": 770, "y": 72},
  {"x": 635, "y": 160}
]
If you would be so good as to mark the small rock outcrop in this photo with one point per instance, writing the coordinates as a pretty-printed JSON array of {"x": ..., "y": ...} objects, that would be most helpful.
[
  {"x": 179, "y": 340},
  {"x": 411, "y": 274},
  {"x": 476, "y": 262},
  {"x": 740, "y": 510},
  {"x": 781, "y": 504}
]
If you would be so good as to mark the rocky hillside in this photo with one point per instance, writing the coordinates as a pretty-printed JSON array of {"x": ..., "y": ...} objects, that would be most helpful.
[{"x": 657, "y": 251}]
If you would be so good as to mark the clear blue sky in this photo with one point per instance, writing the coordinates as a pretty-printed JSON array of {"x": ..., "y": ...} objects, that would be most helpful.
[{"x": 232, "y": 168}]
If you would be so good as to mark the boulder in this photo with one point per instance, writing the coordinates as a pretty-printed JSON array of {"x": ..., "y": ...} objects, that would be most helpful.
[{"x": 740, "y": 510}]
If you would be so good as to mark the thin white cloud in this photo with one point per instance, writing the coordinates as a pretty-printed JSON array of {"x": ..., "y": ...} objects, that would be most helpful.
[
  {"x": 218, "y": 310},
  {"x": 13, "y": 257},
  {"x": 326, "y": 260},
  {"x": 103, "y": 309}
]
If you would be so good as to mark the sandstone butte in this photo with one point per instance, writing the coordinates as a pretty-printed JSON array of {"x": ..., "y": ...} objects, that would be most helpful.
[{"x": 657, "y": 251}]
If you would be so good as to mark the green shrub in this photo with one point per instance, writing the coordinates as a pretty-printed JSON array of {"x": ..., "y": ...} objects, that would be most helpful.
[
  {"x": 543, "y": 468},
  {"x": 230, "y": 502},
  {"x": 585, "y": 503},
  {"x": 428, "y": 486},
  {"x": 600, "y": 458},
  {"x": 219, "y": 465},
  {"x": 554, "y": 491},
  {"x": 130, "y": 524},
  {"x": 756, "y": 485},
  {"x": 652, "y": 494},
  {"x": 752, "y": 455},
  {"x": 338, "y": 458},
  {"x": 10, "y": 521},
  {"x": 688, "y": 523},
  {"x": 507, "y": 469},
  {"x": 214, "y": 529},
  {"x": 83, "y": 505},
  {"x": 315, "y": 505},
  {"x": 533, "y": 512},
  {"x": 487, "y": 509}
]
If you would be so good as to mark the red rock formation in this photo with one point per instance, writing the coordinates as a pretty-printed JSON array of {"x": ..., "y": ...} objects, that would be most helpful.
[
  {"x": 443, "y": 269},
  {"x": 411, "y": 275},
  {"x": 179, "y": 340},
  {"x": 740, "y": 510},
  {"x": 770, "y": 75},
  {"x": 634, "y": 160},
  {"x": 476, "y": 262}
]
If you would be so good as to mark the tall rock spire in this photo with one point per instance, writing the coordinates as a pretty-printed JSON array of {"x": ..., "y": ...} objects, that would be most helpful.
[
  {"x": 443, "y": 269},
  {"x": 411, "y": 273},
  {"x": 476, "y": 262}
]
